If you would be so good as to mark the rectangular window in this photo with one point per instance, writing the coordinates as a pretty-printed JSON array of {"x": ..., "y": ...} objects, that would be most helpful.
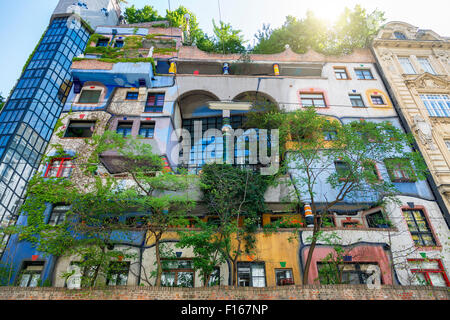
[
  {"x": 177, "y": 273},
  {"x": 426, "y": 65},
  {"x": 80, "y": 129},
  {"x": 341, "y": 73},
  {"x": 342, "y": 168},
  {"x": 118, "y": 274},
  {"x": 147, "y": 129},
  {"x": 377, "y": 100},
  {"x": 419, "y": 228},
  {"x": 124, "y": 128},
  {"x": 59, "y": 168},
  {"x": 251, "y": 274},
  {"x": 58, "y": 215},
  {"x": 429, "y": 272},
  {"x": 447, "y": 143},
  {"x": 356, "y": 100},
  {"x": 31, "y": 274},
  {"x": 118, "y": 44},
  {"x": 406, "y": 65},
  {"x": 377, "y": 220},
  {"x": 312, "y": 100},
  {"x": 438, "y": 105},
  {"x": 155, "y": 102},
  {"x": 132, "y": 95},
  {"x": 90, "y": 96},
  {"x": 400, "y": 170},
  {"x": 284, "y": 277},
  {"x": 363, "y": 74}
]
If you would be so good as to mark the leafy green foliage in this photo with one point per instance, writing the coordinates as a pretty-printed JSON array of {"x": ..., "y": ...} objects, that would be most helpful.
[{"x": 353, "y": 29}]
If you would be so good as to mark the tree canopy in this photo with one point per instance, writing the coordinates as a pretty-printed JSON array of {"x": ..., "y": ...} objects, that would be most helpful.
[{"x": 353, "y": 29}]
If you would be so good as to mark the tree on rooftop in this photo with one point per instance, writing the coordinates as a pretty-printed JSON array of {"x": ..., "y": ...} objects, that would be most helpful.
[{"x": 2, "y": 102}]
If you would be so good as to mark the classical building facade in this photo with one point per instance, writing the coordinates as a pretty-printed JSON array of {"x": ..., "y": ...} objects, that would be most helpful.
[{"x": 416, "y": 66}]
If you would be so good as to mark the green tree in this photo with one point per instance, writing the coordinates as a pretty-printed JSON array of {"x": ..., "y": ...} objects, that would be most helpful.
[
  {"x": 99, "y": 207},
  {"x": 146, "y": 14},
  {"x": 227, "y": 39}
]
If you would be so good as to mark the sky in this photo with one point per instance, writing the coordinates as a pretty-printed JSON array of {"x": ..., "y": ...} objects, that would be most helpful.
[{"x": 22, "y": 22}]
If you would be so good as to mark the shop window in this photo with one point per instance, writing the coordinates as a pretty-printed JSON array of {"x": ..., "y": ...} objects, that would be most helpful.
[
  {"x": 177, "y": 273},
  {"x": 58, "y": 215},
  {"x": 251, "y": 274},
  {"x": 124, "y": 128},
  {"x": 364, "y": 74},
  {"x": 132, "y": 95},
  {"x": 118, "y": 274},
  {"x": 147, "y": 129},
  {"x": 400, "y": 170},
  {"x": 356, "y": 100},
  {"x": 284, "y": 277},
  {"x": 30, "y": 275},
  {"x": 418, "y": 227},
  {"x": 155, "y": 102},
  {"x": 316, "y": 100},
  {"x": 90, "y": 96},
  {"x": 80, "y": 129},
  {"x": 341, "y": 73},
  {"x": 59, "y": 168},
  {"x": 429, "y": 272}
]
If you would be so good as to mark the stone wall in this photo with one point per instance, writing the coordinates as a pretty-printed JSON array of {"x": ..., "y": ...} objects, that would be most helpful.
[{"x": 324, "y": 292}]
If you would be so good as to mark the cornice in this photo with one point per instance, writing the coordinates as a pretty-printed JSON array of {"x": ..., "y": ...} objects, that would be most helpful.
[{"x": 393, "y": 43}]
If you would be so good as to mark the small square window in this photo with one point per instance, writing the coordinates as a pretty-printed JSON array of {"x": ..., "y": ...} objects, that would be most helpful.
[
  {"x": 58, "y": 215},
  {"x": 102, "y": 42},
  {"x": 356, "y": 100},
  {"x": 313, "y": 100},
  {"x": 377, "y": 100},
  {"x": 342, "y": 168},
  {"x": 90, "y": 96},
  {"x": 59, "y": 168},
  {"x": 118, "y": 44},
  {"x": 364, "y": 74},
  {"x": 30, "y": 274},
  {"x": 132, "y": 95},
  {"x": 80, "y": 129},
  {"x": 341, "y": 73},
  {"x": 124, "y": 128}
]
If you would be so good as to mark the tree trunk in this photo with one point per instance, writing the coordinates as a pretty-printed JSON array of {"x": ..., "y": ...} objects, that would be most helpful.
[
  {"x": 234, "y": 267},
  {"x": 311, "y": 248}
]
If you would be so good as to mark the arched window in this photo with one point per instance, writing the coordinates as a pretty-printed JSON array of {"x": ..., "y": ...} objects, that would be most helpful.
[{"x": 399, "y": 35}]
